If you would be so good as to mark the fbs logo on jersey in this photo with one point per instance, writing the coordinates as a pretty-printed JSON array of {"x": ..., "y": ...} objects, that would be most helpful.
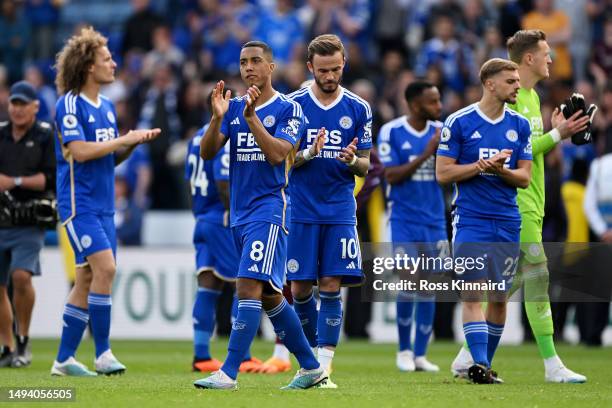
[{"x": 476, "y": 135}]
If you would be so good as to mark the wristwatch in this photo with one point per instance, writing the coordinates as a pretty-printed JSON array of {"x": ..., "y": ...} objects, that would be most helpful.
[{"x": 18, "y": 181}]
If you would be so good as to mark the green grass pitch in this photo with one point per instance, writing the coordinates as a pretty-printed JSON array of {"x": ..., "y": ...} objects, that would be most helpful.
[{"x": 158, "y": 376}]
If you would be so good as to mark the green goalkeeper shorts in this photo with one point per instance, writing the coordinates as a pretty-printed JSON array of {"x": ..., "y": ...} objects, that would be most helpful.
[{"x": 532, "y": 250}]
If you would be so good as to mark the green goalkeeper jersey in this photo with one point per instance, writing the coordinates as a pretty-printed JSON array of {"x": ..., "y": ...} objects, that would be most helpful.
[{"x": 531, "y": 199}]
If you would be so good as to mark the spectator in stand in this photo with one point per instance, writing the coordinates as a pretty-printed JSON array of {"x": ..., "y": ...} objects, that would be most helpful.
[
  {"x": 160, "y": 109},
  {"x": 128, "y": 215},
  {"x": 139, "y": 27},
  {"x": 163, "y": 52},
  {"x": 224, "y": 27},
  {"x": 44, "y": 18},
  {"x": 348, "y": 19},
  {"x": 15, "y": 33},
  {"x": 46, "y": 94},
  {"x": 580, "y": 44},
  {"x": 283, "y": 31},
  {"x": 601, "y": 61},
  {"x": 557, "y": 26},
  {"x": 454, "y": 59},
  {"x": 476, "y": 21},
  {"x": 492, "y": 47}
]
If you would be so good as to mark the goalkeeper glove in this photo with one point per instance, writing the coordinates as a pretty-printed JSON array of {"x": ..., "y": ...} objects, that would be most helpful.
[{"x": 574, "y": 104}]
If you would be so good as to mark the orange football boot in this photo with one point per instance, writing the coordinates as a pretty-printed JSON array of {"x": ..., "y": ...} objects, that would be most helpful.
[
  {"x": 207, "y": 366},
  {"x": 250, "y": 366},
  {"x": 275, "y": 365}
]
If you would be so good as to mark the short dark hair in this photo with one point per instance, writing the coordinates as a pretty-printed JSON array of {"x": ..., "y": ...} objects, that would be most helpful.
[
  {"x": 494, "y": 66},
  {"x": 260, "y": 44},
  {"x": 522, "y": 42},
  {"x": 416, "y": 89},
  {"x": 326, "y": 45}
]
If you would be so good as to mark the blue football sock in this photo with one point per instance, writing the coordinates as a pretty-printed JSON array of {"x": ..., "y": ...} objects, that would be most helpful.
[
  {"x": 244, "y": 329},
  {"x": 289, "y": 330},
  {"x": 100, "y": 316},
  {"x": 329, "y": 322},
  {"x": 204, "y": 311},
  {"x": 247, "y": 355},
  {"x": 404, "y": 308},
  {"x": 495, "y": 333},
  {"x": 476, "y": 334},
  {"x": 75, "y": 321},
  {"x": 425, "y": 309},
  {"x": 306, "y": 309}
]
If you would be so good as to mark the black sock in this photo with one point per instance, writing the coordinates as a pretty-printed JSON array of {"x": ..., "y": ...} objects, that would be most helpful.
[
  {"x": 22, "y": 344},
  {"x": 5, "y": 350}
]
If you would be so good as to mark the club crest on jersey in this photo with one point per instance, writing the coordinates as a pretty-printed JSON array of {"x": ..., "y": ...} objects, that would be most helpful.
[
  {"x": 293, "y": 266},
  {"x": 86, "y": 241},
  {"x": 70, "y": 121},
  {"x": 446, "y": 135},
  {"x": 511, "y": 135},
  {"x": 110, "y": 116},
  {"x": 269, "y": 121},
  {"x": 346, "y": 122}
]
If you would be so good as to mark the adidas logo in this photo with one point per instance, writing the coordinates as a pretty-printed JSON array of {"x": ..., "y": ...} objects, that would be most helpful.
[
  {"x": 254, "y": 268},
  {"x": 525, "y": 110},
  {"x": 306, "y": 120},
  {"x": 406, "y": 146},
  {"x": 236, "y": 121},
  {"x": 91, "y": 119},
  {"x": 476, "y": 135},
  {"x": 351, "y": 265}
]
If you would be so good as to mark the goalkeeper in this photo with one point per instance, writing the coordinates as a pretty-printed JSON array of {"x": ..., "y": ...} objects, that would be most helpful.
[{"x": 529, "y": 49}]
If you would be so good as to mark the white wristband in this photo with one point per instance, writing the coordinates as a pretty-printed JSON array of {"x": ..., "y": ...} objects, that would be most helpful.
[
  {"x": 352, "y": 163},
  {"x": 556, "y": 136},
  {"x": 306, "y": 154}
]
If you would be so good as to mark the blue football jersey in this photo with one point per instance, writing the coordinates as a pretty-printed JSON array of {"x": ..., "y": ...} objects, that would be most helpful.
[
  {"x": 87, "y": 187},
  {"x": 257, "y": 189},
  {"x": 203, "y": 176},
  {"x": 322, "y": 188},
  {"x": 417, "y": 199},
  {"x": 469, "y": 135}
]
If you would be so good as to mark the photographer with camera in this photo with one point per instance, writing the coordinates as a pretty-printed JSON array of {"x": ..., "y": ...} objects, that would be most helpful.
[{"x": 27, "y": 206}]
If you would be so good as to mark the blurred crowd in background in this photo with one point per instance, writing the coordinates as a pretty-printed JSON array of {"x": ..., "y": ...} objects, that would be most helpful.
[{"x": 170, "y": 53}]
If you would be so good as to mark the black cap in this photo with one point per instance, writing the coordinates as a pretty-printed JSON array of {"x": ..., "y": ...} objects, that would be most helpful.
[{"x": 23, "y": 91}]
